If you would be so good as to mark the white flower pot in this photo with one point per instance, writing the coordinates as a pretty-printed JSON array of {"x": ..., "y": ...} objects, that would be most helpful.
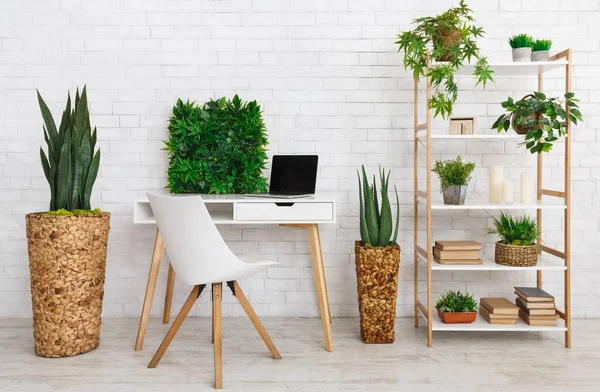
[
  {"x": 540, "y": 55},
  {"x": 521, "y": 55}
]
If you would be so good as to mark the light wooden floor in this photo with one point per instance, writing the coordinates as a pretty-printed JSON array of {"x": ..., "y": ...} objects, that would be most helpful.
[{"x": 457, "y": 362}]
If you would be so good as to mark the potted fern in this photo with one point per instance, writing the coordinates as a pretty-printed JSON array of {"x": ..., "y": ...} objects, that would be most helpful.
[
  {"x": 377, "y": 260},
  {"x": 540, "y": 50},
  {"x": 451, "y": 39},
  {"x": 454, "y": 178},
  {"x": 454, "y": 307},
  {"x": 517, "y": 246},
  {"x": 67, "y": 245},
  {"x": 521, "y": 47}
]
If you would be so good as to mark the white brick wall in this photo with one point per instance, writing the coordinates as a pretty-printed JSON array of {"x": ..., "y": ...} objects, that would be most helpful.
[{"x": 330, "y": 82}]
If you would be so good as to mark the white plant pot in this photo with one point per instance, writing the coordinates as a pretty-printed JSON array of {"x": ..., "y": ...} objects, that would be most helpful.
[
  {"x": 521, "y": 55},
  {"x": 540, "y": 55}
]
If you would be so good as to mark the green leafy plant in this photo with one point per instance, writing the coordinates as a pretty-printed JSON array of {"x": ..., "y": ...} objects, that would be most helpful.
[
  {"x": 543, "y": 118},
  {"x": 219, "y": 147},
  {"x": 455, "y": 301},
  {"x": 71, "y": 165},
  {"x": 453, "y": 172},
  {"x": 522, "y": 231},
  {"x": 451, "y": 39},
  {"x": 375, "y": 223},
  {"x": 520, "y": 41},
  {"x": 541, "y": 44}
]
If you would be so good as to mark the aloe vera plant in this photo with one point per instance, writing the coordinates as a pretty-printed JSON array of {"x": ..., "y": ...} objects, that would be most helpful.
[
  {"x": 376, "y": 223},
  {"x": 71, "y": 165}
]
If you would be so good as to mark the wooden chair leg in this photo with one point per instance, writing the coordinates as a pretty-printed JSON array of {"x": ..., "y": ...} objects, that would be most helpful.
[
  {"x": 187, "y": 306},
  {"x": 169, "y": 294},
  {"x": 212, "y": 337},
  {"x": 218, "y": 344},
  {"x": 239, "y": 294}
]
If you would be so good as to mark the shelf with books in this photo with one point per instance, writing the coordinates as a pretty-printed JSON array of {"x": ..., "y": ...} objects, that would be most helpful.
[
  {"x": 545, "y": 263},
  {"x": 481, "y": 325}
]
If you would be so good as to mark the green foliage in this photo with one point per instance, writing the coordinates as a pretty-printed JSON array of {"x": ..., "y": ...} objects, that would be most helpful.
[
  {"x": 431, "y": 34},
  {"x": 219, "y": 147},
  {"x": 541, "y": 44},
  {"x": 71, "y": 165},
  {"x": 521, "y": 231},
  {"x": 544, "y": 117},
  {"x": 453, "y": 172},
  {"x": 375, "y": 223},
  {"x": 455, "y": 301},
  {"x": 520, "y": 41},
  {"x": 61, "y": 211}
]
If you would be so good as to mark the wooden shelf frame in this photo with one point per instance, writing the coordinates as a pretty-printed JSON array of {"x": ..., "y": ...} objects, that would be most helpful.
[{"x": 423, "y": 199}]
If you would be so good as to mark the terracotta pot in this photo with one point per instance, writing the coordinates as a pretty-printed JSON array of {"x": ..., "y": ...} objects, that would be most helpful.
[
  {"x": 377, "y": 286},
  {"x": 449, "y": 37},
  {"x": 457, "y": 317},
  {"x": 518, "y": 128}
]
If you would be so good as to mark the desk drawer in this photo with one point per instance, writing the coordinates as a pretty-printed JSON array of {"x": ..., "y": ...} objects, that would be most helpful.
[{"x": 284, "y": 211}]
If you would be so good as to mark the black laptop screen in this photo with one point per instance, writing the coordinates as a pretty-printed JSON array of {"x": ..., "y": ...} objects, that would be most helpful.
[{"x": 294, "y": 174}]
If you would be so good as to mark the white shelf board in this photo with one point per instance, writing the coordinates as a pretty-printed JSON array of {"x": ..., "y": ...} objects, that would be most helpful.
[
  {"x": 545, "y": 263},
  {"x": 481, "y": 325},
  {"x": 516, "y": 69},
  {"x": 487, "y": 137},
  {"x": 438, "y": 204}
]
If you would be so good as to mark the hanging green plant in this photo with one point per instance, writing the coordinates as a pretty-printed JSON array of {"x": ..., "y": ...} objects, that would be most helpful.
[
  {"x": 219, "y": 147},
  {"x": 451, "y": 39}
]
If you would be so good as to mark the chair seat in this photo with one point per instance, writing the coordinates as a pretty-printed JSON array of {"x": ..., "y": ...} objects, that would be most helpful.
[{"x": 256, "y": 260}]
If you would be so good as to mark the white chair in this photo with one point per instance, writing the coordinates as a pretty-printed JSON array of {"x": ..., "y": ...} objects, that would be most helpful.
[{"x": 200, "y": 256}]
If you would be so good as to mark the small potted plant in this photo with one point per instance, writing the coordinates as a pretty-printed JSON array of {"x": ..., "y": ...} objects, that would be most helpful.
[
  {"x": 540, "y": 50},
  {"x": 454, "y": 307},
  {"x": 517, "y": 246},
  {"x": 377, "y": 260},
  {"x": 540, "y": 118},
  {"x": 454, "y": 178},
  {"x": 521, "y": 47},
  {"x": 451, "y": 39}
]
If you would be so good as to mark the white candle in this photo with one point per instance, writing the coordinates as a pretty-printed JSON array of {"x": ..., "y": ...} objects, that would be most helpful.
[
  {"x": 508, "y": 192},
  {"x": 496, "y": 175},
  {"x": 526, "y": 188}
]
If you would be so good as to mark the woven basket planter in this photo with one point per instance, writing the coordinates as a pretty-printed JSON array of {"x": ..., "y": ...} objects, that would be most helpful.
[
  {"x": 377, "y": 286},
  {"x": 516, "y": 256},
  {"x": 67, "y": 261}
]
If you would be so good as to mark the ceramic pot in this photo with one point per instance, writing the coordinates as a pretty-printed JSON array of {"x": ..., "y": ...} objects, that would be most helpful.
[
  {"x": 455, "y": 194},
  {"x": 540, "y": 55},
  {"x": 521, "y": 55},
  {"x": 457, "y": 317}
]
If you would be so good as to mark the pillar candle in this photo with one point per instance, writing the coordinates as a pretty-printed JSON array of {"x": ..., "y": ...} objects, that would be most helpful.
[
  {"x": 508, "y": 192},
  {"x": 526, "y": 188},
  {"x": 496, "y": 175}
]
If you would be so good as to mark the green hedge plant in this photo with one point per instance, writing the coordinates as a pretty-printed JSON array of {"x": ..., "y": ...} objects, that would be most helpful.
[
  {"x": 71, "y": 165},
  {"x": 219, "y": 147},
  {"x": 541, "y": 45},
  {"x": 522, "y": 231},
  {"x": 455, "y": 301},
  {"x": 520, "y": 41},
  {"x": 453, "y": 172}
]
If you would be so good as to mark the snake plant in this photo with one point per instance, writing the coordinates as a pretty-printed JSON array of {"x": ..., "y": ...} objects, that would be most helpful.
[
  {"x": 71, "y": 165},
  {"x": 376, "y": 223}
]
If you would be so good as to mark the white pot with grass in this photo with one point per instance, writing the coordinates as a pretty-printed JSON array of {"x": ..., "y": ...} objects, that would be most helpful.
[
  {"x": 521, "y": 47},
  {"x": 541, "y": 50}
]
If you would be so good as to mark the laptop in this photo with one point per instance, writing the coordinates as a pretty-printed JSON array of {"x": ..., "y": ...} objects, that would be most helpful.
[{"x": 292, "y": 176}]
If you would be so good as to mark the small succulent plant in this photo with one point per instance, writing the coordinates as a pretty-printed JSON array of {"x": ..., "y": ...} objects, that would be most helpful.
[
  {"x": 540, "y": 45},
  {"x": 520, "y": 41}
]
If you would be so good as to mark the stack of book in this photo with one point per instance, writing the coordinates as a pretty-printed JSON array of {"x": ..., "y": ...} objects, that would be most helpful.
[
  {"x": 536, "y": 307},
  {"x": 498, "y": 311},
  {"x": 457, "y": 252}
]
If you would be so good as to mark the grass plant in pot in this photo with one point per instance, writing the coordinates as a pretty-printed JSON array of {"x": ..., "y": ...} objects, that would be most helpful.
[
  {"x": 67, "y": 245},
  {"x": 454, "y": 178},
  {"x": 539, "y": 118},
  {"x": 521, "y": 47},
  {"x": 517, "y": 246},
  {"x": 454, "y": 307},
  {"x": 451, "y": 39},
  {"x": 540, "y": 50},
  {"x": 377, "y": 257}
]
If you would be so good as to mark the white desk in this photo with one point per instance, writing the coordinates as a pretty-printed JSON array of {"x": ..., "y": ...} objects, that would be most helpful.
[{"x": 302, "y": 213}]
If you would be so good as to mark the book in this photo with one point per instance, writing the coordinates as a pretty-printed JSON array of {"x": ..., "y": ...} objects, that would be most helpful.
[
  {"x": 537, "y": 322},
  {"x": 459, "y": 261},
  {"x": 455, "y": 254},
  {"x": 536, "y": 312},
  {"x": 536, "y": 305},
  {"x": 499, "y": 306},
  {"x": 458, "y": 245},
  {"x": 533, "y": 294},
  {"x": 496, "y": 320}
]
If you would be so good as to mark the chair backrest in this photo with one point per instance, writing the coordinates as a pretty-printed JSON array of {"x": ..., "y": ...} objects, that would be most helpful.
[{"x": 195, "y": 248}]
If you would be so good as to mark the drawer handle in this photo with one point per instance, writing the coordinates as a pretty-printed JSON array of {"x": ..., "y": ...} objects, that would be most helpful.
[{"x": 284, "y": 204}]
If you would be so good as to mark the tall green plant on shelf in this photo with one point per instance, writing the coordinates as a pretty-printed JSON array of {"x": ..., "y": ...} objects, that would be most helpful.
[
  {"x": 71, "y": 165},
  {"x": 451, "y": 39},
  {"x": 376, "y": 224},
  {"x": 521, "y": 231},
  {"x": 219, "y": 147}
]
